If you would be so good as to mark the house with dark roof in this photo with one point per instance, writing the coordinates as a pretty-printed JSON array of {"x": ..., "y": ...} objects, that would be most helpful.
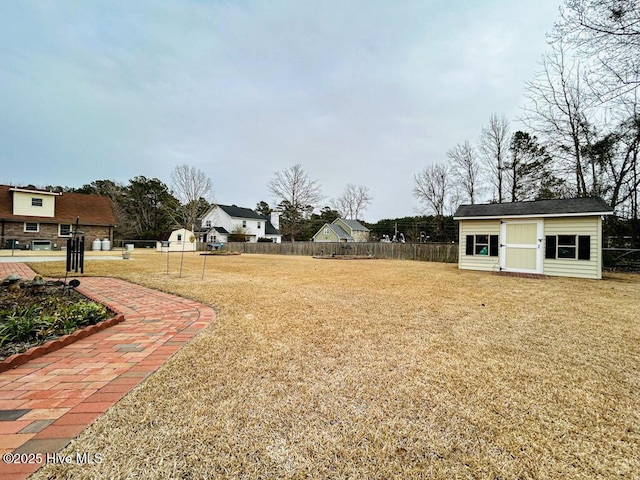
[
  {"x": 36, "y": 219},
  {"x": 552, "y": 237},
  {"x": 222, "y": 221},
  {"x": 342, "y": 230}
]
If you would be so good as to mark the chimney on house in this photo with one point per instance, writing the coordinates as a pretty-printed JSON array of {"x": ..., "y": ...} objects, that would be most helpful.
[{"x": 275, "y": 220}]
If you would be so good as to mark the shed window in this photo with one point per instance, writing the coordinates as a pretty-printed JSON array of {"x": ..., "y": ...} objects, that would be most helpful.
[
  {"x": 31, "y": 227},
  {"x": 568, "y": 247},
  {"x": 482, "y": 245},
  {"x": 179, "y": 237},
  {"x": 36, "y": 202},
  {"x": 244, "y": 224}
]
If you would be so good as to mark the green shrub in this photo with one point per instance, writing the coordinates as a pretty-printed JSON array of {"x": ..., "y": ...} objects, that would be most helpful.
[{"x": 48, "y": 318}]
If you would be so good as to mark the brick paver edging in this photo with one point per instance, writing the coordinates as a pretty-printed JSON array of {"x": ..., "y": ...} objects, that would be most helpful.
[
  {"x": 44, "y": 404},
  {"x": 52, "y": 345}
]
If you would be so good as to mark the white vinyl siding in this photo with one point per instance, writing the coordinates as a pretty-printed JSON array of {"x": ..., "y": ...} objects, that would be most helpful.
[
  {"x": 22, "y": 205},
  {"x": 572, "y": 267},
  {"x": 477, "y": 262},
  {"x": 249, "y": 228}
]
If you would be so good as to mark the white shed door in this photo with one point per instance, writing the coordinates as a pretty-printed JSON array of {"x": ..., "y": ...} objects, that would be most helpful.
[{"x": 521, "y": 247}]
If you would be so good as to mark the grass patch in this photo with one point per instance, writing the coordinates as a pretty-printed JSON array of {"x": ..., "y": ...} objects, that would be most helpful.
[{"x": 385, "y": 369}]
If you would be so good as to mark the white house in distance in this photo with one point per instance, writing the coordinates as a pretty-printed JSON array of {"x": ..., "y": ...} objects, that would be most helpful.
[
  {"x": 342, "y": 230},
  {"x": 551, "y": 237},
  {"x": 223, "y": 220},
  {"x": 180, "y": 240}
]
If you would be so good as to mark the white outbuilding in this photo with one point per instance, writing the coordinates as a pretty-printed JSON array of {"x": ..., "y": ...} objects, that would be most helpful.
[
  {"x": 180, "y": 240},
  {"x": 551, "y": 237}
]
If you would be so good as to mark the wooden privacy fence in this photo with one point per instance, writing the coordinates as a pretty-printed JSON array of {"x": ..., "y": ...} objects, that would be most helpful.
[{"x": 425, "y": 252}]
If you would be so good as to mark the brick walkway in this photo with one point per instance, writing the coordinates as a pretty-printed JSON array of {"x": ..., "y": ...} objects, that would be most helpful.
[{"x": 47, "y": 402}]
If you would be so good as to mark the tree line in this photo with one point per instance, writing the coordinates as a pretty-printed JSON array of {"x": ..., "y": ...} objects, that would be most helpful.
[
  {"x": 146, "y": 208},
  {"x": 581, "y": 119}
]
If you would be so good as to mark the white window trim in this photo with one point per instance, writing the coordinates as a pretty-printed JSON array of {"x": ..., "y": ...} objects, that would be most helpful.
[
  {"x": 60, "y": 234},
  {"x": 476, "y": 244},
  {"x": 574, "y": 246},
  {"x": 37, "y": 230}
]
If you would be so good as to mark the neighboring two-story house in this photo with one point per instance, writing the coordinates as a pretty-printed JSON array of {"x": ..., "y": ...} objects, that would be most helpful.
[
  {"x": 222, "y": 221},
  {"x": 342, "y": 230},
  {"x": 34, "y": 219}
]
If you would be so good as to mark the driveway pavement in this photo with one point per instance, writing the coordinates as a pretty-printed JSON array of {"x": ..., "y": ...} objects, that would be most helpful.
[{"x": 58, "y": 258}]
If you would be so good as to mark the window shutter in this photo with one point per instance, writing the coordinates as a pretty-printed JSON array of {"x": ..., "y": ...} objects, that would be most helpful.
[
  {"x": 584, "y": 247},
  {"x": 469, "y": 245},
  {"x": 493, "y": 246},
  {"x": 550, "y": 247}
]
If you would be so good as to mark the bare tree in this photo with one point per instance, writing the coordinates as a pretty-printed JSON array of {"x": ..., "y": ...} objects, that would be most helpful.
[
  {"x": 191, "y": 186},
  {"x": 465, "y": 168},
  {"x": 494, "y": 145},
  {"x": 618, "y": 153},
  {"x": 353, "y": 201},
  {"x": 558, "y": 110},
  {"x": 607, "y": 33},
  {"x": 294, "y": 186},
  {"x": 432, "y": 186},
  {"x": 296, "y": 195}
]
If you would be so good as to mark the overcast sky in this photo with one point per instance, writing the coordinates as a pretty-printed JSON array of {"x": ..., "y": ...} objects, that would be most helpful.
[{"x": 358, "y": 91}]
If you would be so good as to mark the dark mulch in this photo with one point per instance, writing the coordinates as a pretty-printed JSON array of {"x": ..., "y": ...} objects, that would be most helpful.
[{"x": 344, "y": 257}]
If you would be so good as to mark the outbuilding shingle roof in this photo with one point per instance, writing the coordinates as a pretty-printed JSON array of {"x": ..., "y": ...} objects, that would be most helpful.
[{"x": 546, "y": 208}]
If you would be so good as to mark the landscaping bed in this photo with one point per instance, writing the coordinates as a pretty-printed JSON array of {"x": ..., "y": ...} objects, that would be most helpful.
[
  {"x": 32, "y": 313},
  {"x": 344, "y": 257}
]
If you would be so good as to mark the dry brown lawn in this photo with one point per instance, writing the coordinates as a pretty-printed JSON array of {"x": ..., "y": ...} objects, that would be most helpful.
[{"x": 379, "y": 369}]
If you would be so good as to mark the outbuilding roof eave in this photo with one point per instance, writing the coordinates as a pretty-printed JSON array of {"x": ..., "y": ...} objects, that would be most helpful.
[{"x": 535, "y": 215}]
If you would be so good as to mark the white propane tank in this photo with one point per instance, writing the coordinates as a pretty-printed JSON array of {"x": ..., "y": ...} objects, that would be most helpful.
[
  {"x": 96, "y": 245},
  {"x": 106, "y": 244}
]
